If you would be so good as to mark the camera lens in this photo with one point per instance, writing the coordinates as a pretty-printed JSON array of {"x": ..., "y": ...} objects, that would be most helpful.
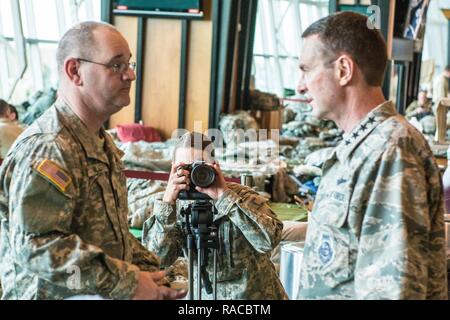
[{"x": 203, "y": 175}]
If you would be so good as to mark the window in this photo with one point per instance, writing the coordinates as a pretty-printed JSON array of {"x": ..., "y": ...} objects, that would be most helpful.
[
  {"x": 436, "y": 35},
  {"x": 29, "y": 34},
  {"x": 279, "y": 26}
]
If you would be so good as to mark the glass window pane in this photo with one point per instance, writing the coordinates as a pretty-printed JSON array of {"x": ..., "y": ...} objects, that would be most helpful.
[
  {"x": 49, "y": 65},
  {"x": 282, "y": 37},
  {"x": 13, "y": 71},
  {"x": 258, "y": 46},
  {"x": 89, "y": 10},
  {"x": 7, "y": 54},
  {"x": 45, "y": 19},
  {"x": 260, "y": 73},
  {"x": 6, "y": 21},
  {"x": 39, "y": 22},
  {"x": 23, "y": 14},
  {"x": 27, "y": 86},
  {"x": 11, "y": 56}
]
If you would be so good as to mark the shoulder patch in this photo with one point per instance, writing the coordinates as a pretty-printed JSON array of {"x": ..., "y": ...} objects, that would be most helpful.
[{"x": 54, "y": 173}]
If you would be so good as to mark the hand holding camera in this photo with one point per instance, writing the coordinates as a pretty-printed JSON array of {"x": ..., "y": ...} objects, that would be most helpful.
[
  {"x": 194, "y": 181},
  {"x": 178, "y": 180},
  {"x": 214, "y": 189}
]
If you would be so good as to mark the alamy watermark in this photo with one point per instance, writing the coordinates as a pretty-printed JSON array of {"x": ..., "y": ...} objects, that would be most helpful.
[
  {"x": 248, "y": 145},
  {"x": 374, "y": 20},
  {"x": 74, "y": 280}
]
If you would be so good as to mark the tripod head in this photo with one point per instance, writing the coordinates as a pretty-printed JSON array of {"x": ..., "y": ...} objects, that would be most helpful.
[
  {"x": 202, "y": 216},
  {"x": 199, "y": 218}
]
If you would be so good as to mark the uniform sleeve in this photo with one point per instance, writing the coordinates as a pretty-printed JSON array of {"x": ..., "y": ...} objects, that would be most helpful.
[
  {"x": 40, "y": 231},
  {"x": 250, "y": 212},
  {"x": 162, "y": 235},
  {"x": 401, "y": 253},
  {"x": 411, "y": 110},
  {"x": 143, "y": 258}
]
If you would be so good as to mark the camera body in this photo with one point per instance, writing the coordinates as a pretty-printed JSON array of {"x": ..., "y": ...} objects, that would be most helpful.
[{"x": 201, "y": 175}]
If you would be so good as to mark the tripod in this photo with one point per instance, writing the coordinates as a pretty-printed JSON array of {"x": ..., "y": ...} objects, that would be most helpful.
[{"x": 201, "y": 235}]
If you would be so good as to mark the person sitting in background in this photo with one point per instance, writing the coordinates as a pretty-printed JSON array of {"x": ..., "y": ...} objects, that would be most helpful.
[
  {"x": 248, "y": 229},
  {"x": 9, "y": 128},
  {"x": 419, "y": 108},
  {"x": 441, "y": 87},
  {"x": 43, "y": 102}
]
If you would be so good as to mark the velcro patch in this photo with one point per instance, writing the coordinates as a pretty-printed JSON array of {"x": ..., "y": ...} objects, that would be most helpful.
[{"x": 55, "y": 174}]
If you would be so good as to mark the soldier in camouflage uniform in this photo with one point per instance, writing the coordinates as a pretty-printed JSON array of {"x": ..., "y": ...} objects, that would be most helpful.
[
  {"x": 248, "y": 229},
  {"x": 377, "y": 227},
  {"x": 63, "y": 197}
]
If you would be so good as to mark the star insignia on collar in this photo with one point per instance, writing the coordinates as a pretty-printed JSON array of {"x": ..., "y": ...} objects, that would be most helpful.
[
  {"x": 355, "y": 135},
  {"x": 371, "y": 120},
  {"x": 347, "y": 142},
  {"x": 363, "y": 127}
]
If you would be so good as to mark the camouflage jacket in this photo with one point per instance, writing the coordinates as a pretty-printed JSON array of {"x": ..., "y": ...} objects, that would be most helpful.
[
  {"x": 377, "y": 227},
  {"x": 248, "y": 230},
  {"x": 63, "y": 213}
]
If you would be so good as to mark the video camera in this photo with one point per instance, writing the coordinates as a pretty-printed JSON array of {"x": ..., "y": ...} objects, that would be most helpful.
[{"x": 201, "y": 175}]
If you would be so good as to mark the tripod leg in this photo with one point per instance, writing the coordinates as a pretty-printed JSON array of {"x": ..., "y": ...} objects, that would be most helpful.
[
  {"x": 199, "y": 273},
  {"x": 215, "y": 274},
  {"x": 191, "y": 274}
]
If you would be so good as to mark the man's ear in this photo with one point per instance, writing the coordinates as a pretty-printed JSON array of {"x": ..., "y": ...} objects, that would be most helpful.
[
  {"x": 72, "y": 70},
  {"x": 345, "y": 69}
]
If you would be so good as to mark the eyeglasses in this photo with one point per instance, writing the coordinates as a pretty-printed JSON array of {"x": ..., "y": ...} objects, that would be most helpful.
[{"x": 116, "y": 67}]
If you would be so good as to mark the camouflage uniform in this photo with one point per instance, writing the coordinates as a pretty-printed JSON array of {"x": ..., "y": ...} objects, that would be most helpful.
[
  {"x": 412, "y": 110},
  {"x": 248, "y": 232},
  {"x": 69, "y": 221},
  {"x": 377, "y": 227}
]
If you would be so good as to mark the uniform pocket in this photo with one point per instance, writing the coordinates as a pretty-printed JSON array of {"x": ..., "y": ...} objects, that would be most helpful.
[
  {"x": 230, "y": 267},
  {"x": 103, "y": 204},
  {"x": 333, "y": 203},
  {"x": 110, "y": 205},
  {"x": 229, "y": 274},
  {"x": 327, "y": 247},
  {"x": 331, "y": 254}
]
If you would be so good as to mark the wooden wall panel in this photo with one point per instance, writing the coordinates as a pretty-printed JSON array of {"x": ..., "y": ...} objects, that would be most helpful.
[
  {"x": 162, "y": 75},
  {"x": 128, "y": 27},
  {"x": 199, "y": 73},
  {"x": 161, "y": 72}
]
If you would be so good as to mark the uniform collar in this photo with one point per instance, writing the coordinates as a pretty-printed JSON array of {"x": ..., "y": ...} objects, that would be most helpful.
[
  {"x": 86, "y": 139},
  {"x": 351, "y": 140}
]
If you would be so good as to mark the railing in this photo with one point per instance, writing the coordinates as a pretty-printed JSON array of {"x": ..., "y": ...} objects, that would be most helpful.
[{"x": 161, "y": 176}]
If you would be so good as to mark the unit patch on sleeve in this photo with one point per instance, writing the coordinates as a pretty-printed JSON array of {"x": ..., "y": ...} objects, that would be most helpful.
[{"x": 54, "y": 174}]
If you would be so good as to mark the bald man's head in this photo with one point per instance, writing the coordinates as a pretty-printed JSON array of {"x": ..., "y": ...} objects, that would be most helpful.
[{"x": 79, "y": 42}]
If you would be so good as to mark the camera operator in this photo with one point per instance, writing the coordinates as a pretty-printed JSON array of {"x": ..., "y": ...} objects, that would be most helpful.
[{"x": 248, "y": 230}]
